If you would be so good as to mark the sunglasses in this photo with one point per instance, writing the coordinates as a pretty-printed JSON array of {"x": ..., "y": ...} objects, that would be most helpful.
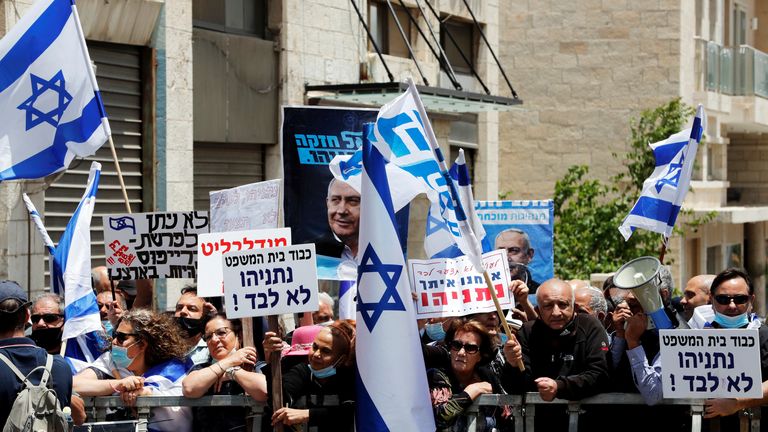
[
  {"x": 219, "y": 333},
  {"x": 469, "y": 348},
  {"x": 121, "y": 337},
  {"x": 725, "y": 300},
  {"x": 48, "y": 318}
]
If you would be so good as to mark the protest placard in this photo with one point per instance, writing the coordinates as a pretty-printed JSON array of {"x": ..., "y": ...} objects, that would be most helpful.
[
  {"x": 310, "y": 138},
  {"x": 718, "y": 363},
  {"x": 535, "y": 219},
  {"x": 212, "y": 246},
  {"x": 451, "y": 287},
  {"x": 160, "y": 245},
  {"x": 248, "y": 207},
  {"x": 271, "y": 281}
]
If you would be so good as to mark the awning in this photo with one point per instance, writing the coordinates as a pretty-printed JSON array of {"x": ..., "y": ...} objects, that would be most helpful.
[{"x": 435, "y": 99}]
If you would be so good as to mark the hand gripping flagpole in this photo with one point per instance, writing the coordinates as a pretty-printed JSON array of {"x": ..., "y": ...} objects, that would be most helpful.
[
  {"x": 476, "y": 255},
  {"x": 104, "y": 121}
]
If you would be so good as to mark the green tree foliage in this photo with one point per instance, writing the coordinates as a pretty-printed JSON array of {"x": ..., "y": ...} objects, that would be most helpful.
[{"x": 588, "y": 212}]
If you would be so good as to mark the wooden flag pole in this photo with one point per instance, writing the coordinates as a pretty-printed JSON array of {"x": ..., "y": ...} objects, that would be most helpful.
[
  {"x": 663, "y": 250},
  {"x": 119, "y": 174},
  {"x": 520, "y": 365},
  {"x": 277, "y": 373}
]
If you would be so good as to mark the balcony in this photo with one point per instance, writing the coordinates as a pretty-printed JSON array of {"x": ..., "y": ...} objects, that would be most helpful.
[{"x": 741, "y": 71}]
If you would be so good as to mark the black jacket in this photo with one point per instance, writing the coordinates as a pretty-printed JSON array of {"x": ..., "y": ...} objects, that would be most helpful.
[{"x": 575, "y": 357}]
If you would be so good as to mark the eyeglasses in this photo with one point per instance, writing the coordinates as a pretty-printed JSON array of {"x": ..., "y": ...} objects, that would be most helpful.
[
  {"x": 121, "y": 337},
  {"x": 725, "y": 300},
  {"x": 219, "y": 333},
  {"x": 469, "y": 348},
  {"x": 48, "y": 318}
]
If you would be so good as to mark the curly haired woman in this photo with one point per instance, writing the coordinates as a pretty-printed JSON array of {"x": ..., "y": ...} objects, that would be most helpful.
[{"x": 147, "y": 345}]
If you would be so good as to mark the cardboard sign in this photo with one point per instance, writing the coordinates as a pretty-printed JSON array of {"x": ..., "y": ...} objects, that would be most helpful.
[
  {"x": 153, "y": 245},
  {"x": 271, "y": 281},
  {"x": 247, "y": 207},
  {"x": 717, "y": 363},
  {"x": 212, "y": 246},
  {"x": 451, "y": 287}
]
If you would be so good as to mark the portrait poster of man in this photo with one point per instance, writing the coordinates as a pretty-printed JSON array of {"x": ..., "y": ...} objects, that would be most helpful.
[
  {"x": 525, "y": 229},
  {"x": 317, "y": 208}
]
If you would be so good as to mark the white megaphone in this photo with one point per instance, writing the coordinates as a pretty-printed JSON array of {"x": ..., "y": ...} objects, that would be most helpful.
[{"x": 641, "y": 275}]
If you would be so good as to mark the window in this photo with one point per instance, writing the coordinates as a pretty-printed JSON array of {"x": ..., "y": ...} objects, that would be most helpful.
[
  {"x": 463, "y": 135},
  {"x": 246, "y": 17},
  {"x": 714, "y": 259},
  {"x": 464, "y": 36},
  {"x": 384, "y": 29}
]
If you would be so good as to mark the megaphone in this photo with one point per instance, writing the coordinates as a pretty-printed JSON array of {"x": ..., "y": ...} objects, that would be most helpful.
[{"x": 641, "y": 275}]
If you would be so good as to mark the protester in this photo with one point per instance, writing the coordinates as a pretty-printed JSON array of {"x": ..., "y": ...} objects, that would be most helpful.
[
  {"x": 192, "y": 312},
  {"x": 454, "y": 389},
  {"x": 233, "y": 370},
  {"x": 564, "y": 354},
  {"x": 324, "y": 315},
  {"x": 23, "y": 353},
  {"x": 435, "y": 329},
  {"x": 48, "y": 322},
  {"x": 100, "y": 279},
  {"x": 148, "y": 346},
  {"x": 524, "y": 309},
  {"x": 110, "y": 310},
  {"x": 590, "y": 300},
  {"x": 696, "y": 294},
  {"x": 330, "y": 371},
  {"x": 614, "y": 296}
]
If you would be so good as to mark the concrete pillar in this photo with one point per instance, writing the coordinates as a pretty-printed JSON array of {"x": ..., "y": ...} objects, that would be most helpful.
[{"x": 755, "y": 258}]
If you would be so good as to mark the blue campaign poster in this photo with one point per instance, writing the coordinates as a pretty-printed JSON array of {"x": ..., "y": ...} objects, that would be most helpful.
[{"x": 518, "y": 220}]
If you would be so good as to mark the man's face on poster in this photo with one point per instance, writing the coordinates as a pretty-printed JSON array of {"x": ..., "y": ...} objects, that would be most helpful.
[
  {"x": 343, "y": 211},
  {"x": 518, "y": 250}
]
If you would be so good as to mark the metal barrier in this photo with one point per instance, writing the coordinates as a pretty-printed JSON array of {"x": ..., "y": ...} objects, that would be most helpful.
[
  {"x": 97, "y": 406},
  {"x": 524, "y": 409}
]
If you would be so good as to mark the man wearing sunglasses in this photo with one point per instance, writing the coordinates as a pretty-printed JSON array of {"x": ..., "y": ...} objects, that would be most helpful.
[
  {"x": 48, "y": 322},
  {"x": 732, "y": 294}
]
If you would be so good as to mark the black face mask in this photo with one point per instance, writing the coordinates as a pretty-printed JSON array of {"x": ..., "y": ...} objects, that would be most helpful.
[
  {"x": 47, "y": 338},
  {"x": 191, "y": 326}
]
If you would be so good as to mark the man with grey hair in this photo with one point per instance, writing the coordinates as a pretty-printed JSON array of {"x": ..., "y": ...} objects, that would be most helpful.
[
  {"x": 696, "y": 293},
  {"x": 47, "y": 318},
  {"x": 590, "y": 300},
  {"x": 519, "y": 254},
  {"x": 324, "y": 315}
]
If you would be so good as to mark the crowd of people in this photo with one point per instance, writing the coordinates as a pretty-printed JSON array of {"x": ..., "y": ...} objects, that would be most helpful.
[{"x": 575, "y": 341}]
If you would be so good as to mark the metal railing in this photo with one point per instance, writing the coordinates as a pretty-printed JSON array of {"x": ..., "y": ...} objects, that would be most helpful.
[
  {"x": 523, "y": 408},
  {"x": 742, "y": 71}
]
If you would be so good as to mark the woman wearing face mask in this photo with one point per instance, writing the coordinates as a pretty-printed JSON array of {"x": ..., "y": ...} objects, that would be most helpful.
[
  {"x": 455, "y": 388},
  {"x": 330, "y": 371},
  {"x": 149, "y": 352},
  {"x": 230, "y": 372}
]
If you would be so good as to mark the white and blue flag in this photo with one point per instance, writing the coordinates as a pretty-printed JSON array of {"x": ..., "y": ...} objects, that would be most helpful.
[
  {"x": 664, "y": 191},
  {"x": 71, "y": 265},
  {"x": 392, "y": 394},
  {"x": 51, "y": 105},
  {"x": 403, "y": 135},
  {"x": 459, "y": 173}
]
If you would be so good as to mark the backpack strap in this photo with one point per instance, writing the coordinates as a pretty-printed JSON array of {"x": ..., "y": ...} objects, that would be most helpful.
[
  {"x": 47, "y": 374},
  {"x": 13, "y": 367}
]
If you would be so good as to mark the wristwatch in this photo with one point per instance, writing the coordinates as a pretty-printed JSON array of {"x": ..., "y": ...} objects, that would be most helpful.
[{"x": 231, "y": 372}]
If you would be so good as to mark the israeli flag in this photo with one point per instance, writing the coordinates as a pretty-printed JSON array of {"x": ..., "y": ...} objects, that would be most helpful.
[
  {"x": 392, "y": 390},
  {"x": 663, "y": 192},
  {"x": 51, "y": 105},
  {"x": 71, "y": 265},
  {"x": 403, "y": 135},
  {"x": 165, "y": 379}
]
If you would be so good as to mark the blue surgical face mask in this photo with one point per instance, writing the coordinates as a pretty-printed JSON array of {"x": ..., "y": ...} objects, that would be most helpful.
[
  {"x": 107, "y": 327},
  {"x": 120, "y": 356},
  {"x": 737, "y": 321},
  {"x": 325, "y": 372},
  {"x": 435, "y": 331},
  {"x": 503, "y": 337}
]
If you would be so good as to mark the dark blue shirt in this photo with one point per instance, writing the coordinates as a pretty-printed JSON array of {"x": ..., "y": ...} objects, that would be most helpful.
[{"x": 26, "y": 356}]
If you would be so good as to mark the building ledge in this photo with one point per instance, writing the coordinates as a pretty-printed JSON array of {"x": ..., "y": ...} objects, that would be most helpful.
[{"x": 736, "y": 214}]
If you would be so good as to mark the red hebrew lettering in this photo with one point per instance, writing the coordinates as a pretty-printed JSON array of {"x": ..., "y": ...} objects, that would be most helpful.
[
  {"x": 424, "y": 299},
  {"x": 482, "y": 294},
  {"x": 467, "y": 296},
  {"x": 439, "y": 299}
]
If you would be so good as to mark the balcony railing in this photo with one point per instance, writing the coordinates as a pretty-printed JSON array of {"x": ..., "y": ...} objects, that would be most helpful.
[{"x": 741, "y": 71}]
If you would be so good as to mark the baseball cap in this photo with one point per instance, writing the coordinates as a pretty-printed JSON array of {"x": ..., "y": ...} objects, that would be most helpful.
[
  {"x": 11, "y": 290},
  {"x": 302, "y": 340}
]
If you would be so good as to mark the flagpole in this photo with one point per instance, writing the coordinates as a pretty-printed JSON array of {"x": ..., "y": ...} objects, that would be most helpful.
[
  {"x": 119, "y": 174},
  {"x": 461, "y": 214}
]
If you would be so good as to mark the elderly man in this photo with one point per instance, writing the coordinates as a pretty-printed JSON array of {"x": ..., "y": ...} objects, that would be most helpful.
[
  {"x": 48, "y": 322},
  {"x": 590, "y": 300},
  {"x": 324, "y": 315},
  {"x": 696, "y": 293},
  {"x": 110, "y": 310},
  {"x": 564, "y": 354},
  {"x": 192, "y": 313},
  {"x": 343, "y": 204},
  {"x": 519, "y": 251}
]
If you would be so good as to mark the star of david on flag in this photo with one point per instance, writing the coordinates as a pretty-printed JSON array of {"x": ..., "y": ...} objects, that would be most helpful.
[
  {"x": 664, "y": 191},
  {"x": 51, "y": 105},
  {"x": 392, "y": 394}
]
